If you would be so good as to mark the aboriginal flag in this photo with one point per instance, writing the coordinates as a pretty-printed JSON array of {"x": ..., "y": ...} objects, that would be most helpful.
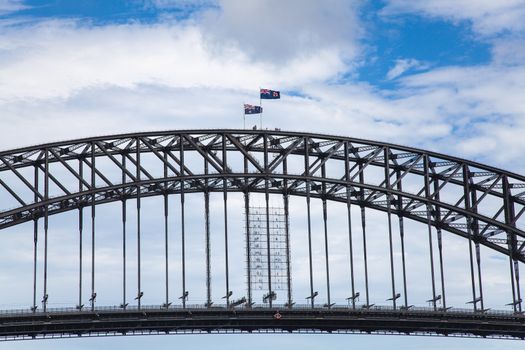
[
  {"x": 270, "y": 94},
  {"x": 251, "y": 109}
]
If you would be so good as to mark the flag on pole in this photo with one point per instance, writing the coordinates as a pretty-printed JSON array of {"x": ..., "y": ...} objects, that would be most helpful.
[
  {"x": 270, "y": 94},
  {"x": 251, "y": 109}
]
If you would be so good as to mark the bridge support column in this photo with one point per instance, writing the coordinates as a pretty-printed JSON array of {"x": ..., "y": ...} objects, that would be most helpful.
[
  {"x": 166, "y": 241},
  {"x": 389, "y": 217},
  {"x": 184, "y": 295},
  {"x": 124, "y": 236},
  {"x": 35, "y": 241},
  {"x": 248, "y": 253},
  {"x": 510, "y": 220},
  {"x": 80, "y": 235},
  {"x": 46, "y": 227},
  {"x": 399, "y": 187},
  {"x": 349, "y": 216},
  {"x": 467, "y": 194},
  {"x": 308, "y": 213},
  {"x": 325, "y": 224},
  {"x": 207, "y": 237},
  {"x": 363, "y": 228},
  {"x": 268, "y": 239},
  {"x": 429, "y": 226},
  {"x": 440, "y": 244},
  {"x": 225, "y": 202},
  {"x": 139, "y": 287}
]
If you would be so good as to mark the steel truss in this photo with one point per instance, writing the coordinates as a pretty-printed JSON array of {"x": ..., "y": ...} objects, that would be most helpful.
[{"x": 480, "y": 203}]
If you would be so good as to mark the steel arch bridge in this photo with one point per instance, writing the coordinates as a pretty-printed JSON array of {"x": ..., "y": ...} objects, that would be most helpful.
[{"x": 481, "y": 205}]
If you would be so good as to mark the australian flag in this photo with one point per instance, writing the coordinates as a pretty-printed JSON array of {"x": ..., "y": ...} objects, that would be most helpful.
[
  {"x": 251, "y": 109},
  {"x": 270, "y": 94}
]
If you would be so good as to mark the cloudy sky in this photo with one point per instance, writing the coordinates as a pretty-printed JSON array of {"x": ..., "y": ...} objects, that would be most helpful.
[{"x": 444, "y": 75}]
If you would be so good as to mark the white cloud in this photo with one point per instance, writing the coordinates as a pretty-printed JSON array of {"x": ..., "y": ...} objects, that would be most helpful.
[
  {"x": 280, "y": 31},
  {"x": 131, "y": 77},
  {"x": 404, "y": 65},
  {"x": 7, "y": 6},
  {"x": 55, "y": 59},
  {"x": 487, "y": 17},
  {"x": 508, "y": 51}
]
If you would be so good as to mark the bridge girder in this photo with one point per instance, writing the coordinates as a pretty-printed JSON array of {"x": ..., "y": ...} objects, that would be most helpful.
[{"x": 440, "y": 171}]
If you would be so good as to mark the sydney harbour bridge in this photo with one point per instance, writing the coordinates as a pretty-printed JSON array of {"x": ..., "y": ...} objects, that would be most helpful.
[{"x": 156, "y": 233}]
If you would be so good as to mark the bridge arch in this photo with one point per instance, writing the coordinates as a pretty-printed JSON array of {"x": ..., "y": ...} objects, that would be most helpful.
[{"x": 482, "y": 204}]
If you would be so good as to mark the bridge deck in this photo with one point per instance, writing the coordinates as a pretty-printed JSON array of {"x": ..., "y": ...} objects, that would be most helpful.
[{"x": 154, "y": 320}]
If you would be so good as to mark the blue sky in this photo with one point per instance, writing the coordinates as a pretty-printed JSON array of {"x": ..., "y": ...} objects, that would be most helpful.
[
  {"x": 445, "y": 75},
  {"x": 382, "y": 67}
]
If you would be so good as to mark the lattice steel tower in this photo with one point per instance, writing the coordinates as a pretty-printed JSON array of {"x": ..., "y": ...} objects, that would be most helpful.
[{"x": 268, "y": 250}]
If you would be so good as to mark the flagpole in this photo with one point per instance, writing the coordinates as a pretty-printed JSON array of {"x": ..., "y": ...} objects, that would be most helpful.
[
  {"x": 260, "y": 104},
  {"x": 244, "y": 117}
]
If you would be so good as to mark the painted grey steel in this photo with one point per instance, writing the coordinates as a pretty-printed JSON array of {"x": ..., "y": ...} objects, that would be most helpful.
[{"x": 498, "y": 226}]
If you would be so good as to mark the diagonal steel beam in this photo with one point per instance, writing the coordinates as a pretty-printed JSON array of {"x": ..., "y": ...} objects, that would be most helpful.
[
  {"x": 56, "y": 182},
  {"x": 104, "y": 178},
  {"x": 248, "y": 156},
  {"x": 69, "y": 168},
  {"x": 204, "y": 154},
  {"x": 22, "y": 178},
  {"x": 161, "y": 157},
  {"x": 117, "y": 163},
  {"x": 282, "y": 156},
  {"x": 13, "y": 193}
]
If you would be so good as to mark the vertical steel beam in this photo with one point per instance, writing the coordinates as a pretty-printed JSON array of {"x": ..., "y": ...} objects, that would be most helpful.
[
  {"x": 287, "y": 233},
  {"x": 508, "y": 205},
  {"x": 440, "y": 245},
  {"x": 475, "y": 228},
  {"x": 93, "y": 185},
  {"x": 267, "y": 199},
  {"x": 248, "y": 253},
  {"x": 248, "y": 235},
  {"x": 325, "y": 222},
  {"x": 225, "y": 202},
  {"x": 363, "y": 227},
  {"x": 166, "y": 241},
  {"x": 389, "y": 215},
  {"x": 124, "y": 210},
  {"x": 80, "y": 233},
  {"x": 308, "y": 209},
  {"x": 349, "y": 215},
  {"x": 429, "y": 226},
  {"x": 46, "y": 226},
  {"x": 35, "y": 240},
  {"x": 466, "y": 186},
  {"x": 517, "y": 277},
  {"x": 207, "y": 235},
  {"x": 183, "y": 223},
  {"x": 402, "y": 234},
  {"x": 139, "y": 277}
]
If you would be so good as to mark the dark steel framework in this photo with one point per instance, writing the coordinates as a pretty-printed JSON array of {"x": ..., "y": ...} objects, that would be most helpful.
[{"x": 414, "y": 185}]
